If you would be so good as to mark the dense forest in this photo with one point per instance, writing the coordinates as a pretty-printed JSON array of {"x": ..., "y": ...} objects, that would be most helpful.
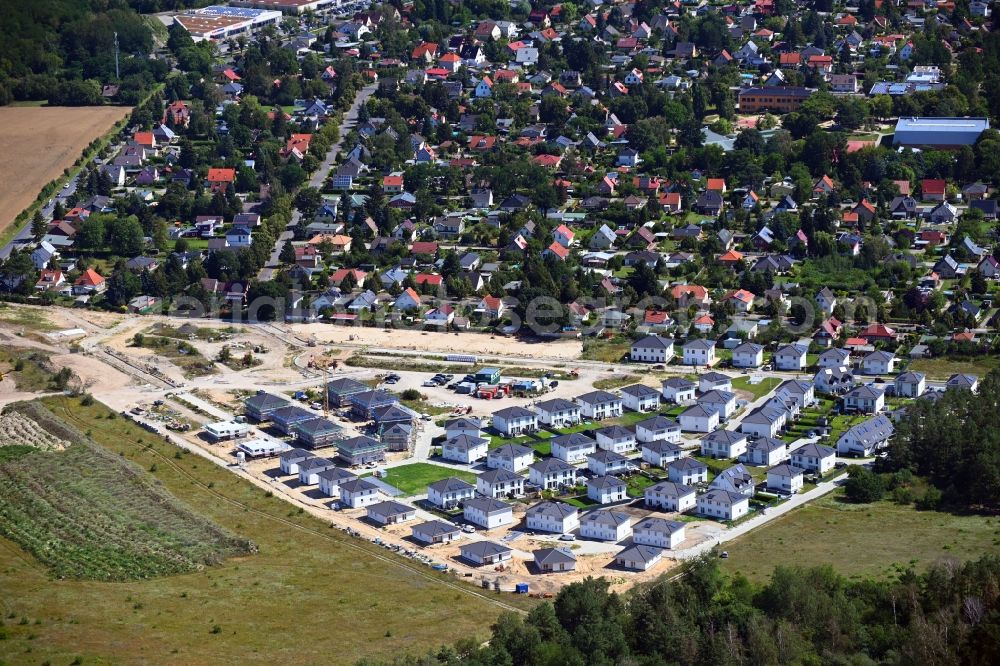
[
  {"x": 63, "y": 51},
  {"x": 949, "y": 615},
  {"x": 953, "y": 442}
]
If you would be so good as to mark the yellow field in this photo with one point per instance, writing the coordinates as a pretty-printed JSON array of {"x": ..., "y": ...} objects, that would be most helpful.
[{"x": 38, "y": 143}]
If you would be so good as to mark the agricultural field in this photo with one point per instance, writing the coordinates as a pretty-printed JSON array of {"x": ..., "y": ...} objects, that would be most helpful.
[
  {"x": 861, "y": 539},
  {"x": 348, "y": 597},
  {"x": 46, "y": 140},
  {"x": 88, "y": 514},
  {"x": 413, "y": 479}
]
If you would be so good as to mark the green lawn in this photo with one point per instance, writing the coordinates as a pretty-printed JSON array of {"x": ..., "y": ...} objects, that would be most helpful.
[
  {"x": 413, "y": 479},
  {"x": 860, "y": 540},
  {"x": 758, "y": 390},
  {"x": 234, "y": 612},
  {"x": 637, "y": 484}
]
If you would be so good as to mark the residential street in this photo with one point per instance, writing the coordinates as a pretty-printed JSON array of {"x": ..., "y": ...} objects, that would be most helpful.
[{"x": 318, "y": 178}]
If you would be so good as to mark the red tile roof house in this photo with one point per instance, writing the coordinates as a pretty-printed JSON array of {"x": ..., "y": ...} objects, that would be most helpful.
[
  {"x": 220, "y": 179},
  {"x": 392, "y": 183},
  {"x": 491, "y": 306},
  {"x": 340, "y": 275},
  {"x": 89, "y": 282},
  {"x": 932, "y": 189}
]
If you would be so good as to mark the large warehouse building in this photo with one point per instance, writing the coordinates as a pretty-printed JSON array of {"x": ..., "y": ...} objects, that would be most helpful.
[
  {"x": 217, "y": 22},
  {"x": 290, "y": 6},
  {"x": 939, "y": 132}
]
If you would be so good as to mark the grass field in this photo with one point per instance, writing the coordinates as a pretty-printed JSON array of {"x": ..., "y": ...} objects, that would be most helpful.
[
  {"x": 608, "y": 351},
  {"x": 30, "y": 371},
  {"x": 180, "y": 353},
  {"x": 309, "y": 595},
  {"x": 89, "y": 514},
  {"x": 943, "y": 368},
  {"x": 413, "y": 479},
  {"x": 860, "y": 540},
  {"x": 758, "y": 390},
  {"x": 39, "y": 144}
]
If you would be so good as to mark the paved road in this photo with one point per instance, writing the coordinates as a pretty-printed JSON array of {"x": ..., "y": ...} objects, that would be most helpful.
[
  {"x": 318, "y": 178},
  {"x": 24, "y": 236}
]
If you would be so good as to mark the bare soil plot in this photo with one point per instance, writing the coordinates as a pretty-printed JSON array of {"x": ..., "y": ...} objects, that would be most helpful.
[{"x": 38, "y": 143}]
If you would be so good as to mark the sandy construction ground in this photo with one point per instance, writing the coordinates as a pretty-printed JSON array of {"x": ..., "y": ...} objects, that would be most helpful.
[
  {"x": 38, "y": 143},
  {"x": 457, "y": 343}
]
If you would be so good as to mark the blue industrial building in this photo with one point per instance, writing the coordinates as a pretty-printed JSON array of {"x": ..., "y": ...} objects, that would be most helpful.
[{"x": 939, "y": 132}]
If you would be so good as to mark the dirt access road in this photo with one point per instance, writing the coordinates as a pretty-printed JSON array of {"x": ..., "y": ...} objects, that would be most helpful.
[{"x": 38, "y": 143}]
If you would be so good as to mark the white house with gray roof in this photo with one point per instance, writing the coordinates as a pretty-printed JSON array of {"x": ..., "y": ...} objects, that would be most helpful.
[
  {"x": 357, "y": 493},
  {"x": 658, "y": 532},
  {"x": 599, "y": 405},
  {"x": 910, "y": 384},
  {"x": 865, "y": 438},
  {"x": 483, "y": 553},
  {"x": 835, "y": 380},
  {"x": 865, "y": 399},
  {"x": 309, "y": 470},
  {"x": 723, "y": 402},
  {"x": 511, "y": 457},
  {"x": 514, "y": 421},
  {"x": 552, "y": 474},
  {"x": 791, "y": 357},
  {"x": 765, "y": 421},
  {"x": 834, "y": 358},
  {"x": 557, "y": 413},
  {"x": 678, "y": 390},
  {"x": 436, "y": 531},
  {"x": 606, "y": 489},
  {"x": 785, "y": 479},
  {"x": 606, "y": 525},
  {"x": 796, "y": 391},
  {"x": 724, "y": 444},
  {"x": 554, "y": 517},
  {"x": 616, "y": 438},
  {"x": 465, "y": 449},
  {"x": 652, "y": 349},
  {"x": 639, "y": 557},
  {"x": 687, "y": 471},
  {"x": 670, "y": 496},
  {"x": 735, "y": 479},
  {"x": 715, "y": 381},
  {"x": 748, "y": 355},
  {"x": 463, "y": 425},
  {"x": 390, "y": 512},
  {"x": 554, "y": 560},
  {"x": 640, "y": 398},
  {"x": 487, "y": 512},
  {"x": 699, "y": 352},
  {"x": 814, "y": 458},
  {"x": 331, "y": 479},
  {"x": 962, "y": 382},
  {"x": 765, "y": 452},
  {"x": 660, "y": 453},
  {"x": 500, "y": 483},
  {"x": 722, "y": 504},
  {"x": 699, "y": 418},
  {"x": 289, "y": 461},
  {"x": 879, "y": 363},
  {"x": 449, "y": 493},
  {"x": 572, "y": 448},
  {"x": 658, "y": 428},
  {"x": 606, "y": 463}
]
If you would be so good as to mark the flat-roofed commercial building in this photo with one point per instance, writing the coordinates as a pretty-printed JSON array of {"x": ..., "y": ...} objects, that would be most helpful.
[
  {"x": 218, "y": 22},
  {"x": 939, "y": 132},
  {"x": 782, "y": 99},
  {"x": 290, "y": 6}
]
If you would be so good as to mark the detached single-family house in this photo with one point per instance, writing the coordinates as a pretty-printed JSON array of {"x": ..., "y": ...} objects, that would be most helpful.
[
  {"x": 879, "y": 363},
  {"x": 722, "y": 402},
  {"x": 678, "y": 390},
  {"x": 487, "y": 512},
  {"x": 500, "y": 483},
  {"x": 866, "y": 399},
  {"x": 814, "y": 458},
  {"x": 670, "y": 496},
  {"x": 558, "y": 413},
  {"x": 699, "y": 418},
  {"x": 765, "y": 452},
  {"x": 687, "y": 471},
  {"x": 656, "y": 429},
  {"x": 358, "y": 493},
  {"x": 605, "y": 525},
  {"x": 465, "y": 449},
  {"x": 484, "y": 553},
  {"x": 606, "y": 489},
  {"x": 910, "y": 384},
  {"x": 436, "y": 531},
  {"x": 791, "y": 357},
  {"x": 865, "y": 438},
  {"x": 736, "y": 479},
  {"x": 607, "y": 463},
  {"x": 514, "y": 421},
  {"x": 639, "y": 557},
  {"x": 658, "y": 532},
  {"x": 723, "y": 504},
  {"x": 511, "y": 457},
  {"x": 616, "y": 438},
  {"x": 748, "y": 355},
  {"x": 599, "y": 405},
  {"x": 552, "y": 474},
  {"x": 553, "y": 560},
  {"x": 572, "y": 448},
  {"x": 449, "y": 493},
  {"x": 785, "y": 479},
  {"x": 661, "y": 453},
  {"x": 390, "y": 512},
  {"x": 640, "y": 397},
  {"x": 724, "y": 444},
  {"x": 554, "y": 517},
  {"x": 699, "y": 352}
]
